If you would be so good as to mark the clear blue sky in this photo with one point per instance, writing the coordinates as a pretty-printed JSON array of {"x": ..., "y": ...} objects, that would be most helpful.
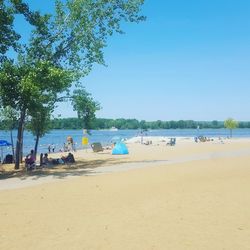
[{"x": 188, "y": 60}]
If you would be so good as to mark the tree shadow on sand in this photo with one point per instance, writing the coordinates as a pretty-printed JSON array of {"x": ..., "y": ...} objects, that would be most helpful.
[{"x": 79, "y": 168}]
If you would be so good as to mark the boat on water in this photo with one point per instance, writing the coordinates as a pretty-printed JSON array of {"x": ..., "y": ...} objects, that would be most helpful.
[{"x": 113, "y": 129}]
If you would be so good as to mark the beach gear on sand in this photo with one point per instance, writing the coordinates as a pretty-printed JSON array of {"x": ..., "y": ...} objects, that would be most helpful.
[
  {"x": 3, "y": 143},
  {"x": 97, "y": 147},
  {"x": 120, "y": 149},
  {"x": 172, "y": 142}
]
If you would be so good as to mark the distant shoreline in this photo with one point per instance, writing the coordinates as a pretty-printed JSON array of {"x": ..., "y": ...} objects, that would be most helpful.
[{"x": 103, "y": 123}]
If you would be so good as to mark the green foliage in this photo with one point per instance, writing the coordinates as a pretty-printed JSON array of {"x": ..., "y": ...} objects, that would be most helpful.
[
  {"x": 39, "y": 123},
  {"x": 244, "y": 124},
  {"x": 82, "y": 28},
  {"x": 230, "y": 124},
  {"x": 8, "y": 118},
  {"x": 101, "y": 123},
  {"x": 25, "y": 87},
  {"x": 28, "y": 87},
  {"x": 85, "y": 106},
  {"x": 62, "y": 47},
  {"x": 8, "y": 36},
  {"x": 77, "y": 34}
]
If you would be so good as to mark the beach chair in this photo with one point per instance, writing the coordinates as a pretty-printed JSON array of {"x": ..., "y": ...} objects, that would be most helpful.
[
  {"x": 97, "y": 147},
  {"x": 172, "y": 142}
]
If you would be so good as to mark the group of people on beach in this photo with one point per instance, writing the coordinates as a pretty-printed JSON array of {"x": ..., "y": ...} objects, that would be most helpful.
[
  {"x": 45, "y": 161},
  {"x": 30, "y": 160},
  {"x": 202, "y": 139},
  {"x": 51, "y": 148},
  {"x": 68, "y": 146}
]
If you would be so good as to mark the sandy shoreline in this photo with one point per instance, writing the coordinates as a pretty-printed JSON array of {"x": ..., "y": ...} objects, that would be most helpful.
[
  {"x": 140, "y": 156},
  {"x": 191, "y": 196},
  {"x": 40, "y": 178}
]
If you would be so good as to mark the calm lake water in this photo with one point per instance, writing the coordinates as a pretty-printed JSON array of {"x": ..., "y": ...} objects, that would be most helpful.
[{"x": 58, "y": 137}]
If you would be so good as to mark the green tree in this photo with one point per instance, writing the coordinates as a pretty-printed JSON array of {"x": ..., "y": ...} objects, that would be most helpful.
[
  {"x": 85, "y": 106},
  {"x": 215, "y": 124},
  {"x": 62, "y": 48},
  {"x": 39, "y": 124},
  {"x": 230, "y": 124},
  {"x": 181, "y": 124},
  {"x": 26, "y": 87},
  {"x": 143, "y": 125},
  {"x": 173, "y": 124}
]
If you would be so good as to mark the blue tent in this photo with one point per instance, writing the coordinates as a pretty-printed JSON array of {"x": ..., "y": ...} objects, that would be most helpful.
[
  {"x": 4, "y": 143},
  {"x": 120, "y": 149}
]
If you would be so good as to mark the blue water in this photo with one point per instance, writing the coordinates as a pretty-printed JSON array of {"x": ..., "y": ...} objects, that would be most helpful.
[{"x": 58, "y": 137}]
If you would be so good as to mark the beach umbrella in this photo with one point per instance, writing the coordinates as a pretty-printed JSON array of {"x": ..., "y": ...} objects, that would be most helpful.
[{"x": 3, "y": 143}]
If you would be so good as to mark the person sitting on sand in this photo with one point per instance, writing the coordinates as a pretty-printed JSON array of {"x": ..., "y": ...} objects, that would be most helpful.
[
  {"x": 69, "y": 158},
  {"x": 46, "y": 160},
  {"x": 50, "y": 161},
  {"x": 30, "y": 158}
]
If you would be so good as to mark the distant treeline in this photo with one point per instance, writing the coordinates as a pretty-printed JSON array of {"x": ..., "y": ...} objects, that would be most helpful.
[{"x": 100, "y": 123}]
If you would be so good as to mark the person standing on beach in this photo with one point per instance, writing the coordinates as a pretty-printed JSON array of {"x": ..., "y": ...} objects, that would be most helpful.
[
  {"x": 142, "y": 133},
  {"x": 53, "y": 147},
  {"x": 49, "y": 148}
]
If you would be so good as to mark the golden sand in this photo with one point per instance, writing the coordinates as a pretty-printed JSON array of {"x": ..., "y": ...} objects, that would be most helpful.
[{"x": 201, "y": 202}]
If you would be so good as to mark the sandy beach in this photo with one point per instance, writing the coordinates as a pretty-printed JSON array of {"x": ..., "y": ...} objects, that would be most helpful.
[
  {"x": 124, "y": 125},
  {"x": 189, "y": 196}
]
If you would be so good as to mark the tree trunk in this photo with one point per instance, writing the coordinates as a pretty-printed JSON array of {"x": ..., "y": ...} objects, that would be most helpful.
[
  {"x": 21, "y": 147},
  {"x": 19, "y": 141},
  {"x": 231, "y": 133},
  {"x": 36, "y": 144},
  {"x": 12, "y": 144}
]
